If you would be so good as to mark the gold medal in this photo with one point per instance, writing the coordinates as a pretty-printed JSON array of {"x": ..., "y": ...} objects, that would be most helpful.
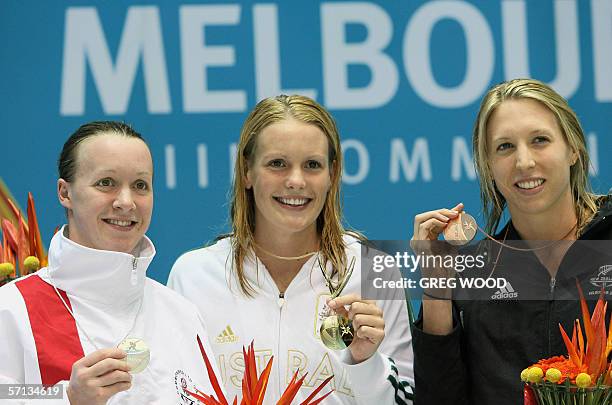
[
  {"x": 336, "y": 331},
  {"x": 461, "y": 229},
  {"x": 138, "y": 354}
]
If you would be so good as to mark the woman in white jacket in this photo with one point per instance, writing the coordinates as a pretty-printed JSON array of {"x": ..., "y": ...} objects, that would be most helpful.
[
  {"x": 266, "y": 281},
  {"x": 74, "y": 321}
]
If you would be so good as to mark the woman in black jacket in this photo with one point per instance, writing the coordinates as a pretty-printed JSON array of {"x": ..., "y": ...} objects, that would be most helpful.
[{"x": 531, "y": 158}]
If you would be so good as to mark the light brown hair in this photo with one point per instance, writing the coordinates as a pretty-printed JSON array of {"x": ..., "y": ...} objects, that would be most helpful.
[{"x": 67, "y": 161}]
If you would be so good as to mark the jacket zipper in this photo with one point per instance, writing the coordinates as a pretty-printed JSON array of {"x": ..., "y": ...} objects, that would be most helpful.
[
  {"x": 281, "y": 303},
  {"x": 553, "y": 281},
  {"x": 134, "y": 275},
  {"x": 551, "y": 303}
]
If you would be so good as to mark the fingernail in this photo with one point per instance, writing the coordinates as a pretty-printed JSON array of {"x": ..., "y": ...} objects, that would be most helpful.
[{"x": 331, "y": 303}]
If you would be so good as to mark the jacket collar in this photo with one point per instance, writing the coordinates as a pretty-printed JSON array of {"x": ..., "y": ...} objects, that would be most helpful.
[
  {"x": 108, "y": 277},
  {"x": 603, "y": 216}
]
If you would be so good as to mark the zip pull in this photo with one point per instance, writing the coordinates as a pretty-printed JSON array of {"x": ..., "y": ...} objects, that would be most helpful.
[
  {"x": 134, "y": 275},
  {"x": 281, "y": 299},
  {"x": 553, "y": 281}
]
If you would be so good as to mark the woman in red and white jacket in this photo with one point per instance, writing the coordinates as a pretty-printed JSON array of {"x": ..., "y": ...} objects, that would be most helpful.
[{"x": 64, "y": 323}]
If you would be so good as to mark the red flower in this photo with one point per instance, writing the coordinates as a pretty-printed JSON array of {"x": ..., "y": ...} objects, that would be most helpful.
[{"x": 254, "y": 387}]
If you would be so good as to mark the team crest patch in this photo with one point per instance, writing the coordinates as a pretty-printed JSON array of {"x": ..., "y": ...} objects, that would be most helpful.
[
  {"x": 603, "y": 279},
  {"x": 183, "y": 384},
  {"x": 322, "y": 311}
]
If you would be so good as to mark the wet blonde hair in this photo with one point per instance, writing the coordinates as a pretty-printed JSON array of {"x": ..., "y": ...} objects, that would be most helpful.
[
  {"x": 493, "y": 202},
  {"x": 242, "y": 210}
]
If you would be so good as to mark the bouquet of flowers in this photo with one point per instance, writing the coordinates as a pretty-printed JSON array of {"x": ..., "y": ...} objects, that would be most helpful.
[
  {"x": 584, "y": 376},
  {"x": 21, "y": 248},
  {"x": 253, "y": 386}
]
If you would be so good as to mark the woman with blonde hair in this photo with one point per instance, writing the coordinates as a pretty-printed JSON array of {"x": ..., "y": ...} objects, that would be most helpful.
[
  {"x": 268, "y": 280},
  {"x": 531, "y": 157}
]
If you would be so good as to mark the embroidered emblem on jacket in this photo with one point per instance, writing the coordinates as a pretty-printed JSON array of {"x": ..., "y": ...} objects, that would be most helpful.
[
  {"x": 603, "y": 279},
  {"x": 322, "y": 311},
  {"x": 226, "y": 336},
  {"x": 505, "y": 292},
  {"x": 183, "y": 383}
]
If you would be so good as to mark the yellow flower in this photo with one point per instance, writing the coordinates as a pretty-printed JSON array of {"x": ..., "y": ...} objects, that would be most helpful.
[
  {"x": 31, "y": 263},
  {"x": 553, "y": 375},
  {"x": 524, "y": 375},
  {"x": 583, "y": 380},
  {"x": 535, "y": 374},
  {"x": 6, "y": 269}
]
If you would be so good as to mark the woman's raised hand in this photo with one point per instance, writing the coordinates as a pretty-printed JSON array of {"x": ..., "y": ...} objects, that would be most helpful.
[
  {"x": 98, "y": 376},
  {"x": 368, "y": 324},
  {"x": 437, "y": 309},
  {"x": 429, "y": 225}
]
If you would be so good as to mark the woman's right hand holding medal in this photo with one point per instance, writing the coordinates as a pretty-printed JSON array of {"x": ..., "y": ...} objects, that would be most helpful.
[
  {"x": 437, "y": 307},
  {"x": 429, "y": 225},
  {"x": 98, "y": 376}
]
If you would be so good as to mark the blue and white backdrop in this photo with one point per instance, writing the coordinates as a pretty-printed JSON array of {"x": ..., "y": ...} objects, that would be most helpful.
[{"x": 402, "y": 78}]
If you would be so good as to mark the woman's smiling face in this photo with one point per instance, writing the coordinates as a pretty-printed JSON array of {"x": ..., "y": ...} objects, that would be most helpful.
[
  {"x": 110, "y": 199},
  {"x": 290, "y": 177},
  {"x": 529, "y": 157}
]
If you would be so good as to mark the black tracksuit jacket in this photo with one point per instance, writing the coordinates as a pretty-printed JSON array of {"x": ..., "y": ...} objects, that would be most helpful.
[{"x": 494, "y": 339}]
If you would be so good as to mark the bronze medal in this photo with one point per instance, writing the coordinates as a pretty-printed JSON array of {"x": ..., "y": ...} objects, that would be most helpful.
[{"x": 460, "y": 230}]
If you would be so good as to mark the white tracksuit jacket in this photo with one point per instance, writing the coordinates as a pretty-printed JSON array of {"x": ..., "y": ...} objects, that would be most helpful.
[
  {"x": 288, "y": 328},
  {"x": 39, "y": 340}
]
